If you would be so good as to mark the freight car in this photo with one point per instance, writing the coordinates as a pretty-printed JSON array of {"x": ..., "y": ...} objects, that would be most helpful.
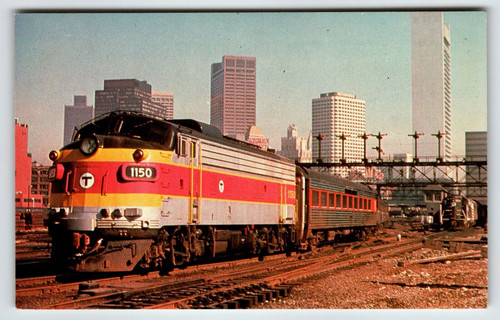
[{"x": 133, "y": 191}]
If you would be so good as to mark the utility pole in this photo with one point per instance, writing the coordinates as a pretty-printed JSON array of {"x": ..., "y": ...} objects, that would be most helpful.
[
  {"x": 439, "y": 135},
  {"x": 365, "y": 136},
  {"x": 320, "y": 138},
  {"x": 343, "y": 137},
  {"x": 379, "y": 136},
  {"x": 415, "y": 136}
]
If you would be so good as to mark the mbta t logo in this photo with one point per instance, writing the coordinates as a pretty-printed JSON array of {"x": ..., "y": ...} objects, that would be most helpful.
[{"x": 86, "y": 180}]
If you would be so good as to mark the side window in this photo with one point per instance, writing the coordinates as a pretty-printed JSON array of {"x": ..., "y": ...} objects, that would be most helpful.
[
  {"x": 193, "y": 149},
  {"x": 338, "y": 203},
  {"x": 182, "y": 147},
  {"x": 323, "y": 199},
  {"x": 350, "y": 202},
  {"x": 355, "y": 202},
  {"x": 315, "y": 198},
  {"x": 331, "y": 200},
  {"x": 344, "y": 201}
]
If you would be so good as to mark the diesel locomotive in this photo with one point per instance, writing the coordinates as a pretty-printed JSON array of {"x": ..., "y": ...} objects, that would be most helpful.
[{"x": 132, "y": 191}]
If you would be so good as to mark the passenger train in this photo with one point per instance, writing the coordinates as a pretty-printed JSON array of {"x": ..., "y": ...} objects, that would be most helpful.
[{"x": 132, "y": 191}]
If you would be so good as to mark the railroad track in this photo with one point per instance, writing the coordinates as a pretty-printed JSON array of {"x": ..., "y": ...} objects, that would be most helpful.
[{"x": 227, "y": 288}]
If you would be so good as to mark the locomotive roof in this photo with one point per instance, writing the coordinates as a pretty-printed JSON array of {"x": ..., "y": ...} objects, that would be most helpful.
[{"x": 188, "y": 126}]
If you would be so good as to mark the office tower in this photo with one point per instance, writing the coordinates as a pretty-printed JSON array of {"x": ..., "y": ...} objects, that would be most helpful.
[
  {"x": 40, "y": 184},
  {"x": 256, "y": 137},
  {"x": 336, "y": 115},
  {"x": 127, "y": 95},
  {"x": 476, "y": 149},
  {"x": 25, "y": 198},
  {"x": 233, "y": 95},
  {"x": 75, "y": 115},
  {"x": 431, "y": 83},
  {"x": 166, "y": 99},
  {"x": 295, "y": 147},
  {"x": 23, "y": 165}
]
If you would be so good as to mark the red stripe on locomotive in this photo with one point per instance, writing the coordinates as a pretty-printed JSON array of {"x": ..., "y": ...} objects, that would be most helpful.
[{"x": 176, "y": 181}]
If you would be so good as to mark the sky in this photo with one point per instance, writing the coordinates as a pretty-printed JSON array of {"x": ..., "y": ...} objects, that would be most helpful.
[{"x": 299, "y": 56}]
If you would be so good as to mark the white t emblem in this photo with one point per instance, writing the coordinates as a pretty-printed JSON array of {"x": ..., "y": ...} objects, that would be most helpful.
[
  {"x": 221, "y": 186},
  {"x": 86, "y": 180}
]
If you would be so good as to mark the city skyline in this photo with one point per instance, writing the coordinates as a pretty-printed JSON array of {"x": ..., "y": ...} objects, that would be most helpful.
[{"x": 300, "y": 56}]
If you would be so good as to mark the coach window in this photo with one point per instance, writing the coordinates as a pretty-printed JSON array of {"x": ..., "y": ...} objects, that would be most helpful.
[
  {"x": 338, "y": 202},
  {"x": 344, "y": 202},
  {"x": 331, "y": 199},
  {"x": 323, "y": 199},
  {"x": 369, "y": 204},
  {"x": 361, "y": 203},
  {"x": 350, "y": 202},
  {"x": 355, "y": 202},
  {"x": 315, "y": 198}
]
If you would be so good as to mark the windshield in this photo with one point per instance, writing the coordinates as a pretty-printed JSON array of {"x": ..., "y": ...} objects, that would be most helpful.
[{"x": 130, "y": 125}]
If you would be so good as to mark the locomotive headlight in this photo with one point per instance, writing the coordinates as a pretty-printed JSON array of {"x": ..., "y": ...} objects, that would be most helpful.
[
  {"x": 139, "y": 155},
  {"x": 88, "y": 145},
  {"x": 54, "y": 155}
]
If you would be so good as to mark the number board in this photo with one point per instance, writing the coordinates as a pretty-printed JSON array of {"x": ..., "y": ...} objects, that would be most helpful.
[{"x": 138, "y": 173}]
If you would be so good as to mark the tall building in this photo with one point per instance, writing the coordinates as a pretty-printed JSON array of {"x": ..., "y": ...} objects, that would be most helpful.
[
  {"x": 23, "y": 165},
  {"x": 256, "y": 137},
  {"x": 166, "y": 99},
  {"x": 127, "y": 95},
  {"x": 295, "y": 147},
  {"x": 476, "y": 149},
  {"x": 25, "y": 198},
  {"x": 233, "y": 95},
  {"x": 40, "y": 184},
  {"x": 75, "y": 115},
  {"x": 334, "y": 115},
  {"x": 431, "y": 82}
]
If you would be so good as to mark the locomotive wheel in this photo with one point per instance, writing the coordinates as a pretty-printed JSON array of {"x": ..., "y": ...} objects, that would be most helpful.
[
  {"x": 272, "y": 242},
  {"x": 179, "y": 257}
]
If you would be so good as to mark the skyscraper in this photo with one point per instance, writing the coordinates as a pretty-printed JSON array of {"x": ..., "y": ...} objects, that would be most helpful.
[
  {"x": 295, "y": 147},
  {"x": 75, "y": 115},
  {"x": 166, "y": 99},
  {"x": 431, "y": 82},
  {"x": 476, "y": 149},
  {"x": 233, "y": 95},
  {"x": 127, "y": 95},
  {"x": 334, "y": 115}
]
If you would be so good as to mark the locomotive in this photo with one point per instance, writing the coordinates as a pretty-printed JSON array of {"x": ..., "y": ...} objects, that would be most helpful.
[
  {"x": 457, "y": 212},
  {"x": 133, "y": 191}
]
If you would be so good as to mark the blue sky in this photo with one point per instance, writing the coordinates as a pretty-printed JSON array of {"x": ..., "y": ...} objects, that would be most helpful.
[{"x": 299, "y": 56}]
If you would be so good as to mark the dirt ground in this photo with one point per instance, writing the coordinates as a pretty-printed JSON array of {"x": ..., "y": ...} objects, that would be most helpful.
[{"x": 387, "y": 284}]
